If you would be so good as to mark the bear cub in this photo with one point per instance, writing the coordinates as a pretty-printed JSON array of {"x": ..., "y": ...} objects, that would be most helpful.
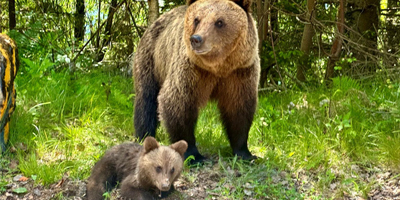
[{"x": 143, "y": 172}]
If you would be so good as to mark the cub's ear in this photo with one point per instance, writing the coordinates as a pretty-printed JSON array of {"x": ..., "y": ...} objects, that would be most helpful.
[
  {"x": 180, "y": 146},
  {"x": 245, "y": 4},
  {"x": 150, "y": 144}
]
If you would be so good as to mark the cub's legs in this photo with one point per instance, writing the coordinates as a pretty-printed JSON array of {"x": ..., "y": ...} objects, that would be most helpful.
[
  {"x": 131, "y": 193},
  {"x": 102, "y": 179}
]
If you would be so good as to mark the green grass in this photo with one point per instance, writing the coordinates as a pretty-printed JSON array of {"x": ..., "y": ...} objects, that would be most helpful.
[{"x": 67, "y": 122}]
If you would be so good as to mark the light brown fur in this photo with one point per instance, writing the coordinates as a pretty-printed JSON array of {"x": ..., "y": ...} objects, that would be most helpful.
[
  {"x": 174, "y": 79},
  {"x": 144, "y": 172}
]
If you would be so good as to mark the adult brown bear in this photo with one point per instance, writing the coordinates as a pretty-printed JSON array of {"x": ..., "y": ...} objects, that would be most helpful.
[{"x": 204, "y": 50}]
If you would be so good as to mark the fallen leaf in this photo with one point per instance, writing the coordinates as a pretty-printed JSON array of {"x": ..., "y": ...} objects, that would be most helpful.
[
  {"x": 23, "y": 178},
  {"x": 20, "y": 190}
]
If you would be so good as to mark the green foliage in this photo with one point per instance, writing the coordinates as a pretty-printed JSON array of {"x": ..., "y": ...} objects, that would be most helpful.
[
  {"x": 107, "y": 195},
  {"x": 343, "y": 84},
  {"x": 67, "y": 120}
]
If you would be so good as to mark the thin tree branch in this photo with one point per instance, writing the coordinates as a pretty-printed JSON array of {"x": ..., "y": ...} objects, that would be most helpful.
[{"x": 97, "y": 31}]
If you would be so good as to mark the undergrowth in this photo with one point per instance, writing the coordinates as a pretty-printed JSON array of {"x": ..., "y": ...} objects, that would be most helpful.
[{"x": 67, "y": 122}]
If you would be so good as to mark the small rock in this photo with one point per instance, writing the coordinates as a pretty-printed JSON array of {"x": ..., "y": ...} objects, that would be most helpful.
[
  {"x": 248, "y": 186},
  {"x": 17, "y": 177},
  {"x": 396, "y": 192},
  {"x": 37, "y": 192},
  {"x": 247, "y": 192},
  {"x": 333, "y": 186}
]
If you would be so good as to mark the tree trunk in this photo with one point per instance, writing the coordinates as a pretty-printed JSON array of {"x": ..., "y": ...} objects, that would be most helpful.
[
  {"x": 11, "y": 14},
  {"x": 107, "y": 30},
  {"x": 306, "y": 42},
  {"x": 98, "y": 26},
  {"x": 1, "y": 19},
  {"x": 363, "y": 18},
  {"x": 153, "y": 11},
  {"x": 80, "y": 20},
  {"x": 262, "y": 22},
  {"x": 392, "y": 28},
  {"x": 337, "y": 44},
  {"x": 267, "y": 21}
]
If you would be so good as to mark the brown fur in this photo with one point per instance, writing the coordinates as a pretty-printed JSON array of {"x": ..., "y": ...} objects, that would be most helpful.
[
  {"x": 174, "y": 79},
  {"x": 142, "y": 171}
]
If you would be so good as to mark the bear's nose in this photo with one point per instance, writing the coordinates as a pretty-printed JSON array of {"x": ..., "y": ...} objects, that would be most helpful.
[
  {"x": 165, "y": 185},
  {"x": 196, "y": 41}
]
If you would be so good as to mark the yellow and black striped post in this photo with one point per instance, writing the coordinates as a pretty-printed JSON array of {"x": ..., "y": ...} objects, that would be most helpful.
[{"x": 8, "y": 70}]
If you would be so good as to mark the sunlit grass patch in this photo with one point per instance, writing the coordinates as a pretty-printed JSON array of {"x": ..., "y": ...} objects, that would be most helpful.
[{"x": 67, "y": 123}]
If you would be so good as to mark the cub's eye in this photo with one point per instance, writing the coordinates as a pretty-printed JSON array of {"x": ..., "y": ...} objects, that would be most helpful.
[
  {"x": 172, "y": 170},
  {"x": 196, "y": 21},
  {"x": 158, "y": 169},
  {"x": 219, "y": 23}
]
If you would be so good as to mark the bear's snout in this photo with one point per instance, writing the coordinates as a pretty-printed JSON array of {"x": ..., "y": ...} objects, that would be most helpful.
[
  {"x": 165, "y": 185},
  {"x": 196, "y": 41}
]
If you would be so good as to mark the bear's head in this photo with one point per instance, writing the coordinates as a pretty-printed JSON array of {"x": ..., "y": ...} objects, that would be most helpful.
[
  {"x": 160, "y": 166},
  {"x": 216, "y": 29}
]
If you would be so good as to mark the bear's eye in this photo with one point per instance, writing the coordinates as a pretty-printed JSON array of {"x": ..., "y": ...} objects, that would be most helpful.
[
  {"x": 196, "y": 21},
  {"x": 172, "y": 170},
  {"x": 158, "y": 169},
  {"x": 219, "y": 23}
]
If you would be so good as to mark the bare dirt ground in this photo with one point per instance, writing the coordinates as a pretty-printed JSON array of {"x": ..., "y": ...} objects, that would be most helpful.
[{"x": 200, "y": 183}]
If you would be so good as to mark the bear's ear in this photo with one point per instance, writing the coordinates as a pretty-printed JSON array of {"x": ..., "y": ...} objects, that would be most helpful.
[
  {"x": 189, "y": 2},
  {"x": 245, "y": 4},
  {"x": 150, "y": 144},
  {"x": 180, "y": 146}
]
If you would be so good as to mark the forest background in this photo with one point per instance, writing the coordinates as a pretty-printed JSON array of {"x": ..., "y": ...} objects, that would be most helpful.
[{"x": 328, "y": 113}]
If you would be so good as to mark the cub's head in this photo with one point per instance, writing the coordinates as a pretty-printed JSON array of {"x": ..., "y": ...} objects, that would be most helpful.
[
  {"x": 160, "y": 166},
  {"x": 215, "y": 28}
]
